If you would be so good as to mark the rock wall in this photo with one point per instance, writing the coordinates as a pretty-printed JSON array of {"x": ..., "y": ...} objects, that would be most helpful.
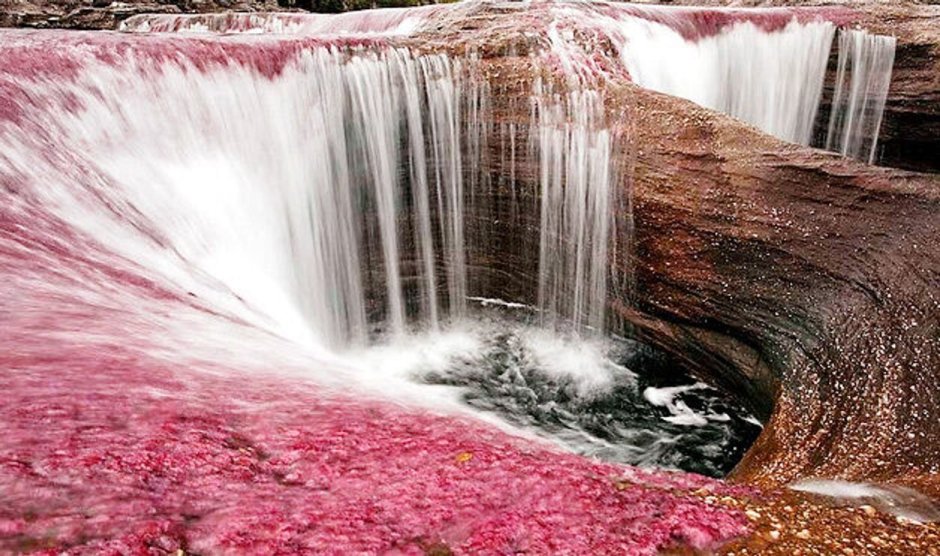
[
  {"x": 806, "y": 283},
  {"x": 793, "y": 266}
]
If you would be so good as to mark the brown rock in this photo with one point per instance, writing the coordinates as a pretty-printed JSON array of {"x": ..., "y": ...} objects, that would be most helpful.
[{"x": 803, "y": 282}]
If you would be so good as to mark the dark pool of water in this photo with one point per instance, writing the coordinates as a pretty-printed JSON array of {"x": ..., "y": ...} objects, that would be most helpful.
[{"x": 635, "y": 407}]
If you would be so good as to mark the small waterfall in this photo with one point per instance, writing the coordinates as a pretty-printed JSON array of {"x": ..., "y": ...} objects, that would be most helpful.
[
  {"x": 772, "y": 80},
  {"x": 576, "y": 188},
  {"x": 766, "y": 67},
  {"x": 445, "y": 97},
  {"x": 861, "y": 89},
  {"x": 291, "y": 201},
  {"x": 388, "y": 21}
]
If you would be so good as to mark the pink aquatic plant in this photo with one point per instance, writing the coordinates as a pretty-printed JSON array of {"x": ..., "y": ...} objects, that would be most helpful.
[{"x": 110, "y": 453}]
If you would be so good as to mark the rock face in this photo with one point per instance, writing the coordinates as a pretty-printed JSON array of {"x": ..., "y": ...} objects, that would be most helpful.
[
  {"x": 768, "y": 257},
  {"x": 808, "y": 283}
]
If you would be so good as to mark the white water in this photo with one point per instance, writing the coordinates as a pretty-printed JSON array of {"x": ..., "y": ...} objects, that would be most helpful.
[
  {"x": 680, "y": 412},
  {"x": 282, "y": 199},
  {"x": 576, "y": 182},
  {"x": 861, "y": 89},
  {"x": 385, "y": 22},
  {"x": 770, "y": 80}
]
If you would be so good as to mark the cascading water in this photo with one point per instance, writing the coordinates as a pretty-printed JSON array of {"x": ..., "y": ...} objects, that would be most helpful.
[
  {"x": 861, "y": 89},
  {"x": 380, "y": 22},
  {"x": 771, "y": 80},
  {"x": 576, "y": 217},
  {"x": 319, "y": 191},
  {"x": 296, "y": 221},
  {"x": 766, "y": 67}
]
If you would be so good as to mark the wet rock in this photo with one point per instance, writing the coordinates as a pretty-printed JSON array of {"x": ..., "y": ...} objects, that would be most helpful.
[{"x": 804, "y": 282}]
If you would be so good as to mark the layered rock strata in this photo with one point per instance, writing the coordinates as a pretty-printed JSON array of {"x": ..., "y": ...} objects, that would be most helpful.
[{"x": 807, "y": 283}]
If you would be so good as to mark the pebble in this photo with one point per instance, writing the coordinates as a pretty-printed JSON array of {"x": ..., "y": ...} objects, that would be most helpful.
[{"x": 803, "y": 534}]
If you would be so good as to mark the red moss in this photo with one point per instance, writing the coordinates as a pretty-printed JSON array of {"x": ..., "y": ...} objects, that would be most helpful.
[
  {"x": 104, "y": 452},
  {"x": 695, "y": 23}
]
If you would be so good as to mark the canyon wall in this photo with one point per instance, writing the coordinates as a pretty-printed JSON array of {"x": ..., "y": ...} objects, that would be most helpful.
[{"x": 804, "y": 282}]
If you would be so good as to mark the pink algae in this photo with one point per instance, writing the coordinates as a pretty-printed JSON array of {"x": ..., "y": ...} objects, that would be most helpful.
[
  {"x": 108, "y": 453},
  {"x": 695, "y": 23},
  {"x": 61, "y": 56}
]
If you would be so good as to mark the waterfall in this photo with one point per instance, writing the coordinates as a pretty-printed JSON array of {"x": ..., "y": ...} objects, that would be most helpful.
[
  {"x": 575, "y": 189},
  {"x": 288, "y": 201},
  {"x": 766, "y": 67},
  {"x": 320, "y": 186},
  {"x": 771, "y": 80},
  {"x": 763, "y": 66},
  {"x": 861, "y": 89}
]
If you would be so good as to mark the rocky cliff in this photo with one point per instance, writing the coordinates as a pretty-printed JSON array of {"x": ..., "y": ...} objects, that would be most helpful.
[{"x": 807, "y": 283}]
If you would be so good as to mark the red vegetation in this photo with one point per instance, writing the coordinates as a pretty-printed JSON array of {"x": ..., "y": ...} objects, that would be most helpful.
[{"x": 107, "y": 453}]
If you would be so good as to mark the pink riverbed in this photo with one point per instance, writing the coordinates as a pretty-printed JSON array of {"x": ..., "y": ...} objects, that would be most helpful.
[{"x": 106, "y": 453}]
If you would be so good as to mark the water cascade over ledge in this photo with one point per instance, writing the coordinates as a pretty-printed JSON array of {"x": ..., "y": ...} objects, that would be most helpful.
[
  {"x": 727, "y": 60},
  {"x": 862, "y": 82},
  {"x": 361, "y": 207},
  {"x": 301, "y": 252}
]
